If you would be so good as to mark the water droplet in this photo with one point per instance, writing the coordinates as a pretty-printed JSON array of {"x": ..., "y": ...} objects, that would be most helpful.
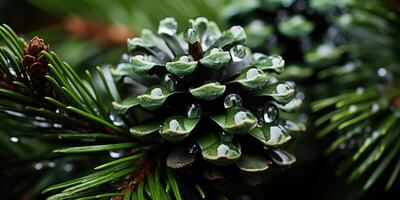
[
  {"x": 68, "y": 167},
  {"x": 240, "y": 116},
  {"x": 256, "y": 26},
  {"x": 194, "y": 111},
  {"x": 38, "y": 166},
  {"x": 293, "y": 126},
  {"x": 57, "y": 125},
  {"x": 215, "y": 50},
  {"x": 125, "y": 58},
  {"x": 376, "y": 134},
  {"x": 270, "y": 113},
  {"x": 238, "y": 52},
  {"x": 51, "y": 164},
  {"x": 237, "y": 32},
  {"x": 384, "y": 76},
  {"x": 14, "y": 139},
  {"x": 382, "y": 72},
  {"x": 283, "y": 88},
  {"x": 13, "y": 113},
  {"x": 193, "y": 149},
  {"x": 342, "y": 146},
  {"x": 170, "y": 82},
  {"x": 156, "y": 92},
  {"x": 277, "y": 61},
  {"x": 38, "y": 118},
  {"x": 353, "y": 108},
  {"x": 375, "y": 107},
  {"x": 185, "y": 58},
  {"x": 42, "y": 124},
  {"x": 232, "y": 100},
  {"x": 397, "y": 113},
  {"x": 115, "y": 153},
  {"x": 140, "y": 57},
  {"x": 174, "y": 125},
  {"x": 260, "y": 123},
  {"x": 360, "y": 90},
  {"x": 325, "y": 50},
  {"x": 259, "y": 57},
  {"x": 253, "y": 72},
  {"x": 281, "y": 157},
  {"x": 222, "y": 150}
]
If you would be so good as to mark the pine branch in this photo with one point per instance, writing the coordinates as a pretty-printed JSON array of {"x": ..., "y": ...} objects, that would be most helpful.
[{"x": 362, "y": 119}]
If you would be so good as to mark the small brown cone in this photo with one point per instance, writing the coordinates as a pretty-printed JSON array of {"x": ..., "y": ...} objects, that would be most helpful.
[{"x": 36, "y": 65}]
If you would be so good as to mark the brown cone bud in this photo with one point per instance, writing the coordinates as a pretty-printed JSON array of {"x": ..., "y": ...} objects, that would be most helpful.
[{"x": 36, "y": 65}]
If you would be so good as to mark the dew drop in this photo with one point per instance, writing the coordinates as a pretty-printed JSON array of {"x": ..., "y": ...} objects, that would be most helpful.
[
  {"x": 57, "y": 125},
  {"x": 215, "y": 50},
  {"x": 259, "y": 57},
  {"x": 240, "y": 116},
  {"x": 253, "y": 72},
  {"x": 325, "y": 50},
  {"x": 185, "y": 58},
  {"x": 68, "y": 167},
  {"x": 51, "y": 164},
  {"x": 232, "y": 100},
  {"x": 14, "y": 139},
  {"x": 222, "y": 150},
  {"x": 353, "y": 108},
  {"x": 194, "y": 111},
  {"x": 283, "y": 88},
  {"x": 256, "y": 25},
  {"x": 293, "y": 126},
  {"x": 260, "y": 123},
  {"x": 170, "y": 82},
  {"x": 115, "y": 153},
  {"x": 13, "y": 113},
  {"x": 125, "y": 57},
  {"x": 277, "y": 61},
  {"x": 38, "y": 166},
  {"x": 238, "y": 52},
  {"x": 282, "y": 158},
  {"x": 376, "y": 134},
  {"x": 193, "y": 149},
  {"x": 270, "y": 113},
  {"x": 384, "y": 76},
  {"x": 156, "y": 92},
  {"x": 397, "y": 113},
  {"x": 174, "y": 125},
  {"x": 360, "y": 90},
  {"x": 139, "y": 57},
  {"x": 375, "y": 107}
]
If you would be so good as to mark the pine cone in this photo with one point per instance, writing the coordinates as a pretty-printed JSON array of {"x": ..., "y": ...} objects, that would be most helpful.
[
  {"x": 302, "y": 31},
  {"x": 206, "y": 94},
  {"x": 36, "y": 65}
]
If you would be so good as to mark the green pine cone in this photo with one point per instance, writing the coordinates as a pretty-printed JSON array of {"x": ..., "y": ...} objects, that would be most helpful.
[
  {"x": 305, "y": 32},
  {"x": 206, "y": 93}
]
